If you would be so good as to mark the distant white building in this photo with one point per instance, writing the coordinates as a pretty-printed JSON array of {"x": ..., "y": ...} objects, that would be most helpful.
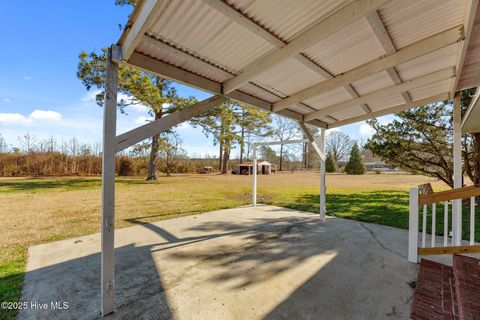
[{"x": 263, "y": 167}]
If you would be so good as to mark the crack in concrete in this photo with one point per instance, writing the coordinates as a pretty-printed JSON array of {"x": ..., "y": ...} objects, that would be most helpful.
[{"x": 380, "y": 243}]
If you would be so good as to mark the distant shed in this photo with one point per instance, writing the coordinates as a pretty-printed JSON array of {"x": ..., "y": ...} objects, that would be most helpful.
[
  {"x": 207, "y": 169},
  {"x": 263, "y": 167}
]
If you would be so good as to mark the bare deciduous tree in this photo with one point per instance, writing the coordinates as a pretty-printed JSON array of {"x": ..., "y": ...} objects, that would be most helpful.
[
  {"x": 338, "y": 144},
  {"x": 284, "y": 129},
  {"x": 170, "y": 152}
]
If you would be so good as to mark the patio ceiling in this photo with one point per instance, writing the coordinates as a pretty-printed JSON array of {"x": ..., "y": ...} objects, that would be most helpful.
[{"x": 327, "y": 63}]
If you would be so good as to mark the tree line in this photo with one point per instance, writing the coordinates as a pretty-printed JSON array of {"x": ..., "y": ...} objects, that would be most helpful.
[{"x": 48, "y": 157}]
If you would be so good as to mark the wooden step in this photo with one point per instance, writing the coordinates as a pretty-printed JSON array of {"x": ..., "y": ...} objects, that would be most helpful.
[
  {"x": 434, "y": 297},
  {"x": 466, "y": 271}
]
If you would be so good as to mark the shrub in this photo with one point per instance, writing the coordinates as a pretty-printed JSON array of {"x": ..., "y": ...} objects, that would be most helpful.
[{"x": 125, "y": 166}]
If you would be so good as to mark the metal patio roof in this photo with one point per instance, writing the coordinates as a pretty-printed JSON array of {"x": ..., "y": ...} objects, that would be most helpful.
[{"x": 327, "y": 63}]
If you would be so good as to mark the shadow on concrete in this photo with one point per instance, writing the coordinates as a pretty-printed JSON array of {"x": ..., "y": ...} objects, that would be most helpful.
[
  {"x": 351, "y": 271},
  {"x": 359, "y": 275},
  {"x": 78, "y": 283}
]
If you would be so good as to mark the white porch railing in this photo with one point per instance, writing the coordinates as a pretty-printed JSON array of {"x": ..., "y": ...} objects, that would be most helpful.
[{"x": 450, "y": 199}]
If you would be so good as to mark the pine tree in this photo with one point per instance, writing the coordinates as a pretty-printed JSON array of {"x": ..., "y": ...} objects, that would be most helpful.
[
  {"x": 420, "y": 141},
  {"x": 355, "y": 163},
  {"x": 330, "y": 163}
]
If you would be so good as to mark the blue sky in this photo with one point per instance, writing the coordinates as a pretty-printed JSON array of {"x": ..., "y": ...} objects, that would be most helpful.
[{"x": 39, "y": 91}]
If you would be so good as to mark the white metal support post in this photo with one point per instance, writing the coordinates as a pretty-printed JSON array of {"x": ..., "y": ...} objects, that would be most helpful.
[
  {"x": 457, "y": 169},
  {"x": 254, "y": 176},
  {"x": 413, "y": 227},
  {"x": 323, "y": 194},
  {"x": 108, "y": 184}
]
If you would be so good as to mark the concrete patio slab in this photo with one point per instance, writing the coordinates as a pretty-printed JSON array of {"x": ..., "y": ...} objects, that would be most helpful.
[{"x": 243, "y": 263}]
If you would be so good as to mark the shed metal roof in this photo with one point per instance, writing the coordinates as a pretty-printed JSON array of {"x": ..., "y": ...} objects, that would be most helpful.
[{"x": 327, "y": 63}]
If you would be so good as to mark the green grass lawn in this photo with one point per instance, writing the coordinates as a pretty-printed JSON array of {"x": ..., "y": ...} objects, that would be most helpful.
[{"x": 47, "y": 209}]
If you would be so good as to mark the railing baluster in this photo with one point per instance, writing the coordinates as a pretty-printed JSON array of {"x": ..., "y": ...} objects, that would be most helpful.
[
  {"x": 434, "y": 222},
  {"x": 453, "y": 223},
  {"x": 472, "y": 220},
  {"x": 424, "y": 225},
  {"x": 445, "y": 224}
]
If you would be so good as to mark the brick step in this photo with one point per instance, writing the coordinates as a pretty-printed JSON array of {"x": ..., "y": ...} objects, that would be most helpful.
[
  {"x": 466, "y": 271},
  {"x": 434, "y": 297}
]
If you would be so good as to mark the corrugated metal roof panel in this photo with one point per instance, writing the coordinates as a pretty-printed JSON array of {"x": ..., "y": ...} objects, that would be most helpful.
[
  {"x": 259, "y": 92},
  {"x": 431, "y": 90},
  {"x": 289, "y": 77},
  {"x": 199, "y": 39},
  {"x": 184, "y": 61},
  {"x": 373, "y": 83},
  {"x": 347, "y": 48},
  {"x": 408, "y": 21},
  {"x": 348, "y": 113},
  {"x": 196, "y": 26},
  {"x": 287, "y": 18},
  {"x": 302, "y": 109},
  {"x": 329, "y": 98},
  {"x": 437, "y": 60},
  {"x": 385, "y": 103}
]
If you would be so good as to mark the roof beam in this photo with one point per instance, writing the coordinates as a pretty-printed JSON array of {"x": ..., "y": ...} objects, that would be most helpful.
[
  {"x": 381, "y": 33},
  {"x": 253, "y": 101},
  {"x": 136, "y": 135},
  {"x": 139, "y": 27},
  {"x": 149, "y": 64},
  {"x": 263, "y": 33},
  {"x": 384, "y": 112},
  {"x": 410, "y": 52},
  {"x": 469, "y": 20},
  {"x": 354, "y": 94},
  {"x": 386, "y": 92},
  {"x": 245, "y": 22},
  {"x": 274, "y": 40},
  {"x": 308, "y": 38}
]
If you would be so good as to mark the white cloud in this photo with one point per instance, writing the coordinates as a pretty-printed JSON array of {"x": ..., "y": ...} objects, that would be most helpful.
[
  {"x": 139, "y": 107},
  {"x": 90, "y": 96},
  {"x": 27, "y": 78},
  {"x": 184, "y": 125},
  {"x": 142, "y": 120},
  {"x": 35, "y": 116},
  {"x": 14, "y": 118},
  {"x": 45, "y": 115},
  {"x": 7, "y": 100},
  {"x": 366, "y": 130}
]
